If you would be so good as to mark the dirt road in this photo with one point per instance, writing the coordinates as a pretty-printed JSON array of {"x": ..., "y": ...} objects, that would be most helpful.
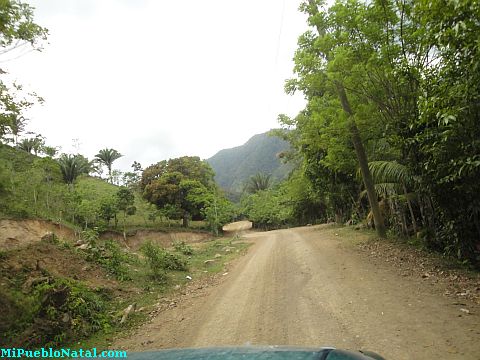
[{"x": 305, "y": 287}]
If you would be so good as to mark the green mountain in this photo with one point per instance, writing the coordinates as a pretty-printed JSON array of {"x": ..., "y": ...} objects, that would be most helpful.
[{"x": 260, "y": 154}]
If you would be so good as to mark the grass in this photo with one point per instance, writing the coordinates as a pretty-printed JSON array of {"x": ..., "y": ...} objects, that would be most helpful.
[{"x": 145, "y": 292}]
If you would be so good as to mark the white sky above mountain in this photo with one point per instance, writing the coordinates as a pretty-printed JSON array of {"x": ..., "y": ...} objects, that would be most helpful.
[{"x": 159, "y": 79}]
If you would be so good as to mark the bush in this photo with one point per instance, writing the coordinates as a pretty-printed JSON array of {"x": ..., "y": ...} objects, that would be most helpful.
[
  {"x": 110, "y": 256},
  {"x": 183, "y": 248},
  {"x": 67, "y": 310},
  {"x": 160, "y": 260},
  {"x": 113, "y": 259}
]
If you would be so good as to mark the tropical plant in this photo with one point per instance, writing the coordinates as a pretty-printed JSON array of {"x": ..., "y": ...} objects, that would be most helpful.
[
  {"x": 258, "y": 182},
  {"x": 26, "y": 145},
  {"x": 73, "y": 166},
  {"x": 106, "y": 157},
  {"x": 392, "y": 181}
]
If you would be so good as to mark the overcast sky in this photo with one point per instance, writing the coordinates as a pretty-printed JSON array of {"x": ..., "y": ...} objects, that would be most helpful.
[{"x": 162, "y": 78}]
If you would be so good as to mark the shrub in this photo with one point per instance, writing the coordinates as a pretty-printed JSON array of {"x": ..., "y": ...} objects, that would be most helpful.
[
  {"x": 182, "y": 247},
  {"x": 113, "y": 259},
  {"x": 160, "y": 260},
  {"x": 110, "y": 256},
  {"x": 67, "y": 311}
]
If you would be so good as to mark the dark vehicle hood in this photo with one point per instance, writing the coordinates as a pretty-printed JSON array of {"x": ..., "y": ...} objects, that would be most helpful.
[{"x": 254, "y": 353}]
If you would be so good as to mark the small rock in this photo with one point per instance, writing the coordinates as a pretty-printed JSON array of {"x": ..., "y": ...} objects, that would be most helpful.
[
  {"x": 208, "y": 262},
  {"x": 225, "y": 274},
  {"x": 83, "y": 247},
  {"x": 66, "y": 318},
  {"x": 217, "y": 256},
  {"x": 49, "y": 237},
  {"x": 127, "y": 311},
  {"x": 466, "y": 311},
  {"x": 188, "y": 277}
]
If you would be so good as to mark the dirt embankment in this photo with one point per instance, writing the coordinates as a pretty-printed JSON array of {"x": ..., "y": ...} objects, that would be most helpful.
[
  {"x": 19, "y": 233},
  {"x": 314, "y": 287},
  {"x": 165, "y": 239}
]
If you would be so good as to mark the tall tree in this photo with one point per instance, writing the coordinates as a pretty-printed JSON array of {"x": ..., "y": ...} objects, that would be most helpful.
[
  {"x": 183, "y": 183},
  {"x": 17, "y": 28},
  {"x": 125, "y": 201},
  {"x": 107, "y": 157},
  {"x": 320, "y": 58}
]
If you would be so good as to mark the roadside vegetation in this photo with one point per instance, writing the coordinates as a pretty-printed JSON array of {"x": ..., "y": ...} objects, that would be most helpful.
[{"x": 91, "y": 292}]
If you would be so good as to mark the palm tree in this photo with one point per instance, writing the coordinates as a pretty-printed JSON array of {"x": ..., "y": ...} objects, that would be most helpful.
[
  {"x": 72, "y": 166},
  {"x": 26, "y": 145},
  {"x": 392, "y": 178},
  {"x": 257, "y": 182},
  {"x": 107, "y": 157}
]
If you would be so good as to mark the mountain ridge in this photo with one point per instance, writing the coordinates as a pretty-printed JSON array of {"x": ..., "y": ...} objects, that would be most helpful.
[{"x": 260, "y": 154}]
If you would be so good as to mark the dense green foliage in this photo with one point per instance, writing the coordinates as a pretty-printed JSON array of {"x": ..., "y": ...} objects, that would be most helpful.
[
  {"x": 55, "y": 312},
  {"x": 260, "y": 154},
  {"x": 404, "y": 78},
  {"x": 185, "y": 188},
  {"x": 71, "y": 309}
]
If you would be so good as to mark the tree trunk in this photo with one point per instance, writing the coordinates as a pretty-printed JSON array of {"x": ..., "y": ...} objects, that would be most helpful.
[
  {"x": 338, "y": 217},
  {"x": 185, "y": 219},
  {"x": 357, "y": 143},
  {"x": 362, "y": 161},
  {"x": 410, "y": 209}
]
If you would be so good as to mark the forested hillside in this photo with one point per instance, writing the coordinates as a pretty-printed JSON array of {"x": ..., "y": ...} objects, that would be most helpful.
[{"x": 260, "y": 154}]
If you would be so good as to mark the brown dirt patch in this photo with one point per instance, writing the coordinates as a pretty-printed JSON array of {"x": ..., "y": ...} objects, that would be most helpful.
[
  {"x": 19, "y": 233},
  {"x": 42, "y": 258},
  {"x": 459, "y": 284}
]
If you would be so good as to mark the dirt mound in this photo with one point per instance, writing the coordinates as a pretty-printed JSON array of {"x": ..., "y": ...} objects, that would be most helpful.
[
  {"x": 19, "y": 233},
  {"x": 165, "y": 239},
  {"x": 237, "y": 226}
]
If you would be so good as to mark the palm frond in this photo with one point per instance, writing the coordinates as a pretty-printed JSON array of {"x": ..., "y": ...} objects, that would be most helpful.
[{"x": 390, "y": 172}]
